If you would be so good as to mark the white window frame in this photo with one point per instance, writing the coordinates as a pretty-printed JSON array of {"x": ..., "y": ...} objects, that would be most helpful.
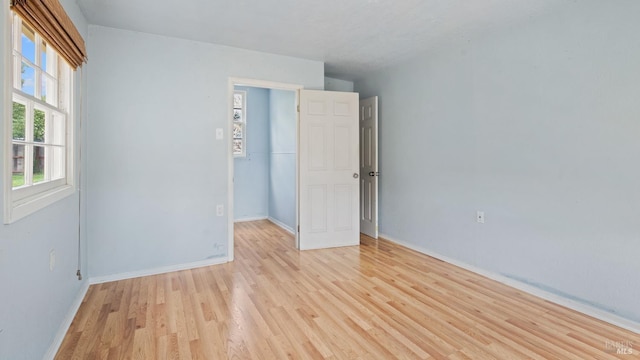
[
  {"x": 242, "y": 123},
  {"x": 23, "y": 201}
]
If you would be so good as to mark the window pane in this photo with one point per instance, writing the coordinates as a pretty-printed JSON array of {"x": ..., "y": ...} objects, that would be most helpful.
[
  {"x": 56, "y": 133},
  {"x": 28, "y": 43},
  {"x": 58, "y": 163},
  {"x": 27, "y": 79},
  {"x": 237, "y": 147},
  {"x": 237, "y": 115},
  {"x": 17, "y": 168},
  {"x": 49, "y": 91},
  {"x": 38, "y": 164},
  {"x": 19, "y": 113},
  {"x": 43, "y": 55},
  {"x": 38, "y": 125},
  {"x": 237, "y": 131},
  {"x": 49, "y": 59},
  {"x": 237, "y": 101}
]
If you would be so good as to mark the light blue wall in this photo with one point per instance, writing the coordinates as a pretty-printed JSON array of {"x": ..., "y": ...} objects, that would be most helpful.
[
  {"x": 251, "y": 173},
  {"x": 282, "y": 174},
  {"x": 157, "y": 172},
  {"x": 332, "y": 84},
  {"x": 34, "y": 300},
  {"x": 265, "y": 182},
  {"x": 536, "y": 124}
]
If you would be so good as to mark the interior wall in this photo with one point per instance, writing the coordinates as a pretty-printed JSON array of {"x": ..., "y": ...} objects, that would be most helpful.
[
  {"x": 157, "y": 171},
  {"x": 536, "y": 124},
  {"x": 251, "y": 173},
  {"x": 282, "y": 164},
  {"x": 35, "y": 300},
  {"x": 333, "y": 84},
  {"x": 265, "y": 183}
]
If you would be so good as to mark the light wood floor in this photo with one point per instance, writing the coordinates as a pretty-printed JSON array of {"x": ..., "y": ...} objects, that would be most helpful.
[{"x": 376, "y": 301}]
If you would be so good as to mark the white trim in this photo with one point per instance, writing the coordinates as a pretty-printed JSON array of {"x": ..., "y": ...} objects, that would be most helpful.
[
  {"x": 75, "y": 306},
  {"x": 66, "y": 322},
  {"x": 281, "y": 225},
  {"x": 530, "y": 289},
  {"x": 264, "y": 84},
  {"x": 37, "y": 202},
  {"x": 247, "y": 219},
  {"x": 21, "y": 202},
  {"x": 232, "y": 82},
  {"x": 296, "y": 232},
  {"x": 7, "y": 94},
  {"x": 156, "y": 271},
  {"x": 32, "y": 191}
]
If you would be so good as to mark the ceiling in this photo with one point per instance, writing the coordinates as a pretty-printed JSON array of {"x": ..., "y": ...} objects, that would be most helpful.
[{"x": 352, "y": 37}]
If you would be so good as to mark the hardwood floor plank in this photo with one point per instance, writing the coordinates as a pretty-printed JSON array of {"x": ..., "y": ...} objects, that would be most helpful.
[{"x": 376, "y": 301}]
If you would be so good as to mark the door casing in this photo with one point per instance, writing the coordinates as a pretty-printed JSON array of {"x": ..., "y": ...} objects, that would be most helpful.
[{"x": 233, "y": 82}]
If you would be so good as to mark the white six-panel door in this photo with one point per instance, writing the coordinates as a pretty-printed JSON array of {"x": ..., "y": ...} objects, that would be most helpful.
[
  {"x": 329, "y": 170},
  {"x": 369, "y": 166}
]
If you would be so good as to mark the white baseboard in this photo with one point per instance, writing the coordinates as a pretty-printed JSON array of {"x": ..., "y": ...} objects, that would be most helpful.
[
  {"x": 535, "y": 291},
  {"x": 156, "y": 271},
  {"x": 66, "y": 322},
  {"x": 282, "y": 225},
  {"x": 251, "y": 219}
]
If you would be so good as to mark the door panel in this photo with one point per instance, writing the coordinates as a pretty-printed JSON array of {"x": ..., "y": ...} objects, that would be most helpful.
[
  {"x": 369, "y": 166},
  {"x": 318, "y": 207},
  {"x": 342, "y": 154},
  {"x": 329, "y": 194},
  {"x": 317, "y": 148}
]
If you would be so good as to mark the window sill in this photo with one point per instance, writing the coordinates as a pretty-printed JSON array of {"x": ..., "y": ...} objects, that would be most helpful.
[{"x": 18, "y": 209}]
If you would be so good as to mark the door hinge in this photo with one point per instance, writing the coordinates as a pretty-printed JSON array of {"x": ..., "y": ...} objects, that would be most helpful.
[
  {"x": 298, "y": 107},
  {"x": 298, "y": 228}
]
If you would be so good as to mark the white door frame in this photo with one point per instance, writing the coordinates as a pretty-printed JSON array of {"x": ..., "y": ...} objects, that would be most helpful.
[{"x": 233, "y": 81}]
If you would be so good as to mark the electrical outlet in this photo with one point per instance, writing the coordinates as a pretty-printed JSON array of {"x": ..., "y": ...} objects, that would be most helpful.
[
  {"x": 480, "y": 217},
  {"x": 220, "y": 210},
  {"x": 52, "y": 260}
]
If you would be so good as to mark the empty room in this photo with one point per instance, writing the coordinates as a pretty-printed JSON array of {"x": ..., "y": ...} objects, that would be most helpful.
[{"x": 360, "y": 179}]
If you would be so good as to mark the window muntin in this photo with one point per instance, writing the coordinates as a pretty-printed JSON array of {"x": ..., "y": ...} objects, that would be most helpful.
[
  {"x": 39, "y": 155},
  {"x": 239, "y": 140},
  {"x": 38, "y": 139}
]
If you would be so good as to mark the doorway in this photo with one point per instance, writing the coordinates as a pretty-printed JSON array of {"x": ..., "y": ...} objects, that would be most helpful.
[
  {"x": 264, "y": 146},
  {"x": 263, "y": 163}
]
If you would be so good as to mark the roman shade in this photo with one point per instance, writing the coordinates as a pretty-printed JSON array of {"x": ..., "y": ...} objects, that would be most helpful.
[{"x": 49, "y": 19}]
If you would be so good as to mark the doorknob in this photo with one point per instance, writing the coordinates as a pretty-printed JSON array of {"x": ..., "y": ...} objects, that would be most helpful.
[
  {"x": 355, "y": 175},
  {"x": 372, "y": 173}
]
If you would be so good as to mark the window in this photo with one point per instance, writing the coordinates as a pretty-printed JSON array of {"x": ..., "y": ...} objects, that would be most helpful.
[
  {"x": 239, "y": 123},
  {"x": 41, "y": 128}
]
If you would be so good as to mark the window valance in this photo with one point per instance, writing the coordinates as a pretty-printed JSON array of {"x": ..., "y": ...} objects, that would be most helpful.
[{"x": 50, "y": 20}]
